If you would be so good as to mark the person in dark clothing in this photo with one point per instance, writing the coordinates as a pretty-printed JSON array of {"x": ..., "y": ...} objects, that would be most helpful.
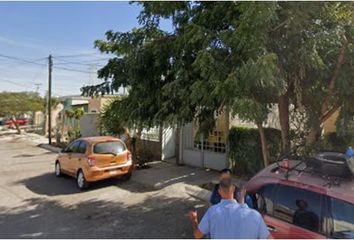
[
  {"x": 304, "y": 217},
  {"x": 215, "y": 197}
]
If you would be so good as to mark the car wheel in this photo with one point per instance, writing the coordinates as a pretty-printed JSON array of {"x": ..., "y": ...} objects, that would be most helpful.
[
  {"x": 127, "y": 176},
  {"x": 81, "y": 181},
  {"x": 57, "y": 169}
]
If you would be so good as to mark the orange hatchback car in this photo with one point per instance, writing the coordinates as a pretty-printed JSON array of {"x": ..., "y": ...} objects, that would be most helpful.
[{"x": 95, "y": 158}]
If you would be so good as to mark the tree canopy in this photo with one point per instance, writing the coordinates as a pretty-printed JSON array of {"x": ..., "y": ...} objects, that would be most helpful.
[
  {"x": 14, "y": 104},
  {"x": 243, "y": 55}
]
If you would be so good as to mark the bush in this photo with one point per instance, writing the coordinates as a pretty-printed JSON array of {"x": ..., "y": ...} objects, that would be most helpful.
[
  {"x": 335, "y": 142},
  {"x": 73, "y": 134},
  {"x": 246, "y": 149}
]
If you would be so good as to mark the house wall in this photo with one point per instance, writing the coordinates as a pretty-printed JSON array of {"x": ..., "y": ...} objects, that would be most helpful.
[
  {"x": 97, "y": 104},
  {"x": 272, "y": 120},
  {"x": 94, "y": 105},
  {"x": 89, "y": 125},
  {"x": 55, "y": 115},
  {"x": 330, "y": 124},
  {"x": 168, "y": 143}
]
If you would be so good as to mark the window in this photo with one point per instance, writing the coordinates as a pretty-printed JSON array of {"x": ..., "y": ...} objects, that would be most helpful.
[
  {"x": 299, "y": 207},
  {"x": 109, "y": 147},
  {"x": 343, "y": 219},
  {"x": 265, "y": 199},
  {"x": 82, "y": 147},
  {"x": 73, "y": 147}
]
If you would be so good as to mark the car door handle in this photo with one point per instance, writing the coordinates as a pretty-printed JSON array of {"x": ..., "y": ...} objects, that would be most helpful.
[{"x": 271, "y": 228}]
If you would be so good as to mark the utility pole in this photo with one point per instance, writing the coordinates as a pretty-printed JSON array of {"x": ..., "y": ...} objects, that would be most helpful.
[{"x": 49, "y": 105}]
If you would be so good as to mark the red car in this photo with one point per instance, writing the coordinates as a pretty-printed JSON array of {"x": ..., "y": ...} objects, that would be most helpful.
[
  {"x": 297, "y": 202},
  {"x": 20, "y": 121}
]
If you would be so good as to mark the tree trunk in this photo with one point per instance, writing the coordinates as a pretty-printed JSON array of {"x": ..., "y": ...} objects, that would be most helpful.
[
  {"x": 283, "y": 107},
  {"x": 264, "y": 144},
  {"x": 311, "y": 137},
  {"x": 327, "y": 109},
  {"x": 14, "y": 121}
]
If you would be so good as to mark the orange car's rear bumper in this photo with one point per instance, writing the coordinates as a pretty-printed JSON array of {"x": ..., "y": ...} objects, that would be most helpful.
[{"x": 95, "y": 173}]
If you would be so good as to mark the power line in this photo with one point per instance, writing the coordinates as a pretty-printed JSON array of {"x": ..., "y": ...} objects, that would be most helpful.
[
  {"x": 15, "y": 83},
  {"x": 70, "y": 69},
  {"x": 77, "y": 55},
  {"x": 84, "y": 63},
  {"x": 22, "y": 60}
]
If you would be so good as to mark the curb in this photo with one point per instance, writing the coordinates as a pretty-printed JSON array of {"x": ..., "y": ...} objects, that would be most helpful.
[
  {"x": 49, "y": 147},
  {"x": 198, "y": 192}
]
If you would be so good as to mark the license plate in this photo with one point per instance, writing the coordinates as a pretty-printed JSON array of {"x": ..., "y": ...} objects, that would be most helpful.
[{"x": 112, "y": 171}]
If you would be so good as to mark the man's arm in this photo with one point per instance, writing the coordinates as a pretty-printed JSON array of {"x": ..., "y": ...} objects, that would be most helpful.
[{"x": 194, "y": 218}]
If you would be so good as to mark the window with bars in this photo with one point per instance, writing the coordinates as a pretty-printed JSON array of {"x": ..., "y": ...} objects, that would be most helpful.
[
  {"x": 215, "y": 142},
  {"x": 152, "y": 134}
]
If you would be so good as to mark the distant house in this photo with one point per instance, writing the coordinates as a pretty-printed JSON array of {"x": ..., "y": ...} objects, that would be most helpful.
[{"x": 89, "y": 125}]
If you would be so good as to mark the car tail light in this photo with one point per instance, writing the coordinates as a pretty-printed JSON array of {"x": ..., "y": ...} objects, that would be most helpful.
[
  {"x": 91, "y": 161},
  {"x": 129, "y": 156}
]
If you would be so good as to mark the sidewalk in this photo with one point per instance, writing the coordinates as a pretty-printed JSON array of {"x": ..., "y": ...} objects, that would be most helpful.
[
  {"x": 163, "y": 174},
  {"x": 188, "y": 179}
]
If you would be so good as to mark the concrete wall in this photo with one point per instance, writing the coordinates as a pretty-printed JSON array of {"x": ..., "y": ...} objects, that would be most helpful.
[
  {"x": 154, "y": 146},
  {"x": 192, "y": 157},
  {"x": 89, "y": 125},
  {"x": 214, "y": 160}
]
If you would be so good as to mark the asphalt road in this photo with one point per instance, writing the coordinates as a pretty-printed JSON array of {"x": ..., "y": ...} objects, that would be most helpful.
[{"x": 36, "y": 204}]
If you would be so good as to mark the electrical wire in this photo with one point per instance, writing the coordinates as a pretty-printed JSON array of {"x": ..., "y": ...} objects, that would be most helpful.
[
  {"x": 70, "y": 69},
  {"x": 15, "y": 83},
  {"x": 77, "y": 55},
  {"x": 22, "y": 60}
]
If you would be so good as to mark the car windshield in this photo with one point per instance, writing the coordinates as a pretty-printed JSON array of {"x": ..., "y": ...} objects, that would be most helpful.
[
  {"x": 343, "y": 219},
  {"x": 113, "y": 147}
]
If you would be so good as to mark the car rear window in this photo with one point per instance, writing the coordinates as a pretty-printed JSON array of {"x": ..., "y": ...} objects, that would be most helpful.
[{"x": 114, "y": 147}]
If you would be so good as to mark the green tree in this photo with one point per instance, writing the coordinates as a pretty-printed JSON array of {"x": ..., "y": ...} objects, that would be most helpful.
[
  {"x": 15, "y": 104},
  {"x": 243, "y": 56},
  {"x": 313, "y": 43},
  {"x": 75, "y": 114}
]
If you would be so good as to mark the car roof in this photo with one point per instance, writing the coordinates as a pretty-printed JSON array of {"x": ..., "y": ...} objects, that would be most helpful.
[
  {"x": 344, "y": 189},
  {"x": 96, "y": 139}
]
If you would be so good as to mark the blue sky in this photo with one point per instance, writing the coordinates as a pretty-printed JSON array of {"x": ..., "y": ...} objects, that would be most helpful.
[{"x": 33, "y": 30}]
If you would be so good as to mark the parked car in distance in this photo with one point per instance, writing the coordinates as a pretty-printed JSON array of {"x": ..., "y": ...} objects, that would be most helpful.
[
  {"x": 94, "y": 158},
  {"x": 301, "y": 204},
  {"x": 20, "y": 121}
]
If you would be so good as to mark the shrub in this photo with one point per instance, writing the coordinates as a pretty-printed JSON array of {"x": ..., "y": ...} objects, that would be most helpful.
[
  {"x": 336, "y": 142},
  {"x": 73, "y": 134},
  {"x": 246, "y": 150}
]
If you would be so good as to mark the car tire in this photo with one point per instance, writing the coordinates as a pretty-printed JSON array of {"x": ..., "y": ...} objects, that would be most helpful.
[
  {"x": 57, "y": 169},
  {"x": 81, "y": 180},
  {"x": 127, "y": 176}
]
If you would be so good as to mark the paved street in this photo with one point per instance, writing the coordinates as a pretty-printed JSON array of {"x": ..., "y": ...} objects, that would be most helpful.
[{"x": 36, "y": 204}]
